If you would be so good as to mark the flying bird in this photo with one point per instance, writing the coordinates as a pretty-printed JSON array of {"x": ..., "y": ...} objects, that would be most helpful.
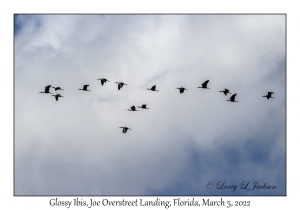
[
  {"x": 57, "y": 88},
  {"x": 269, "y": 95},
  {"x": 120, "y": 85},
  {"x": 204, "y": 85},
  {"x": 153, "y": 88},
  {"x": 47, "y": 89},
  {"x": 125, "y": 129},
  {"x": 85, "y": 88},
  {"x": 57, "y": 96},
  {"x": 103, "y": 80},
  {"x": 181, "y": 89},
  {"x": 232, "y": 98},
  {"x": 225, "y": 91},
  {"x": 132, "y": 109},
  {"x": 143, "y": 106}
]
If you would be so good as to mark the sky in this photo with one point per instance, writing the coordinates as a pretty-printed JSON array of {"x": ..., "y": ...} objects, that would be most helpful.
[{"x": 183, "y": 142}]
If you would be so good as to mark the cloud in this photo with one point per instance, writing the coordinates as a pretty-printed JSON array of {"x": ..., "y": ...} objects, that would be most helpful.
[{"x": 73, "y": 146}]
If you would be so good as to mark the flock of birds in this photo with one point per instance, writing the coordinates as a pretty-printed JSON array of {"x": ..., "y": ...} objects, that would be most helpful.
[{"x": 153, "y": 88}]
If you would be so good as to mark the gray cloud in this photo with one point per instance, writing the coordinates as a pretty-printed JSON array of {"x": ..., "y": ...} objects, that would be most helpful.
[{"x": 74, "y": 146}]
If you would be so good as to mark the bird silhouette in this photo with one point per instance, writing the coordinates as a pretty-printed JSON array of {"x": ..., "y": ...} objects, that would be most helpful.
[
  {"x": 181, "y": 89},
  {"x": 125, "y": 129},
  {"x": 57, "y": 88},
  {"x": 204, "y": 85},
  {"x": 225, "y": 91},
  {"x": 103, "y": 80},
  {"x": 120, "y": 85},
  {"x": 153, "y": 88},
  {"x": 57, "y": 96},
  {"x": 47, "y": 89},
  {"x": 269, "y": 95},
  {"x": 143, "y": 106},
  {"x": 232, "y": 98},
  {"x": 132, "y": 109},
  {"x": 85, "y": 88}
]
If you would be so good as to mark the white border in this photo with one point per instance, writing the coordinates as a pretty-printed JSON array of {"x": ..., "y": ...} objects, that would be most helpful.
[{"x": 8, "y": 8}]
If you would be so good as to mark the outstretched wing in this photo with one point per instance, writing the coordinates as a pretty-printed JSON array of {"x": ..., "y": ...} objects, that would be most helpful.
[
  {"x": 85, "y": 87},
  {"x": 205, "y": 83},
  {"x": 232, "y": 98},
  {"x": 47, "y": 88},
  {"x": 120, "y": 85},
  {"x": 125, "y": 130}
]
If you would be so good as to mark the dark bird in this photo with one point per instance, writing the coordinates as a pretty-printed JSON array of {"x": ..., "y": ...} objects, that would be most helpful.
[
  {"x": 125, "y": 129},
  {"x": 269, "y": 95},
  {"x": 204, "y": 85},
  {"x": 181, "y": 89},
  {"x": 225, "y": 91},
  {"x": 232, "y": 98},
  {"x": 153, "y": 88},
  {"x": 47, "y": 89},
  {"x": 120, "y": 85},
  {"x": 143, "y": 106},
  {"x": 57, "y": 96},
  {"x": 132, "y": 109},
  {"x": 85, "y": 88},
  {"x": 57, "y": 88},
  {"x": 103, "y": 80}
]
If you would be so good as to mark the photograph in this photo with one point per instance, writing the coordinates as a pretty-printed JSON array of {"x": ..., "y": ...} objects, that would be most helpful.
[{"x": 149, "y": 105}]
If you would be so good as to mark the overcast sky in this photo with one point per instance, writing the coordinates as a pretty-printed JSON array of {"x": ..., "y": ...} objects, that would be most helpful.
[{"x": 73, "y": 146}]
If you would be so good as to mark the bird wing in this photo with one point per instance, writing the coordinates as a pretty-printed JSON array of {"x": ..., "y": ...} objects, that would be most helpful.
[
  {"x": 153, "y": 87},
  {"x": 226, "y": 90},
  {"x": 85, "y": 87},
  {"x": 232, "y": 97},
  {"x": 205, "y": 83},
  {"x": 102, "y": 82},
  {"x": 181, "y": 90},
  {"x": 56, "y": 97},
  {"x": 133, "y": 108},
  {"x": 47, "y": 88},
  {"x": 270, "y": 93},
  {"x": 120, "y": 85}
]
